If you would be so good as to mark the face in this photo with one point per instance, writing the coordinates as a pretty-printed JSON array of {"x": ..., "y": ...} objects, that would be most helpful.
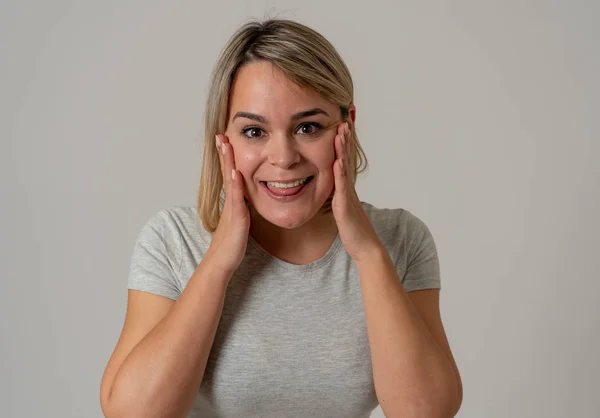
[{"x": 282, "y": 137}]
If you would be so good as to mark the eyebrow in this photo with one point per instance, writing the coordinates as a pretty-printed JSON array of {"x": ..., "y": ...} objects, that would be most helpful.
[{"x": 297, "y": 116}]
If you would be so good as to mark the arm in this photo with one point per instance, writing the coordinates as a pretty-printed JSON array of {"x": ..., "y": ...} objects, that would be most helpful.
[
  {"x": 414, "y": 376},
  {"x": 413, "y": 370},
  {"x": 161, "y": 375}
]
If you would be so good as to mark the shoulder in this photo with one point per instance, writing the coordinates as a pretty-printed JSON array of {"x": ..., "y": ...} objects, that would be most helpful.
[
  {"x": 393, "y": 223},
  {"x": 401, "y": 231},
  {"x": 171, "y": 225},
  {"x": 171, "y": 218},
  {"x": 411, "y": 245},
  {"x": 175, "y": 216},
  {"x": 157, "y": 254}
]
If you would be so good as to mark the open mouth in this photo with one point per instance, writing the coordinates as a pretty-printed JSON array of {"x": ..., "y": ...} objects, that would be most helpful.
[{"x": 290, "y": 189}]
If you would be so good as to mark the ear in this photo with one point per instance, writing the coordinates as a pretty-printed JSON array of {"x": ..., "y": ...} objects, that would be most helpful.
[{"x": 352, "y": 113}]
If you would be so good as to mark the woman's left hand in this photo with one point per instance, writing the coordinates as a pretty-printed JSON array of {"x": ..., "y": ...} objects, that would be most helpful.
[{"x": 354, "y": 226}]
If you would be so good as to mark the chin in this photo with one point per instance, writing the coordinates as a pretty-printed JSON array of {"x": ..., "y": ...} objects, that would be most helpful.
[{"x": 287, "y": 218}]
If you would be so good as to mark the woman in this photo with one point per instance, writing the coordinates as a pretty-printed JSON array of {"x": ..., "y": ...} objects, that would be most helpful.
[{"x": 282, "y": 294}]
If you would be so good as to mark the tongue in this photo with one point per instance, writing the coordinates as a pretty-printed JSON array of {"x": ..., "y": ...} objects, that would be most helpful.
[{"x": 285, "y": 192}]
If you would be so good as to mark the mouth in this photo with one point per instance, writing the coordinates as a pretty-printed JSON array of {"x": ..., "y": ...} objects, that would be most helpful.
[{"x": 287, "y": 188}]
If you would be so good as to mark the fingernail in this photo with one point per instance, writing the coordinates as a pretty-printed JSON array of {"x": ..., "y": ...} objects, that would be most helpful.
[
  {"x": 223, "y": 149},
  {"x": 342, "y": 163},
  {"x": 233, "y": 174},
  {"x": 218, "y": 142},
  {"x": 343, "y": 139},
  {"x": 347, "y": 127}
]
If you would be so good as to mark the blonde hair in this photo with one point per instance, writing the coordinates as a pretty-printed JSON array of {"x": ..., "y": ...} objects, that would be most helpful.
[{"x": 305, "y": 57}]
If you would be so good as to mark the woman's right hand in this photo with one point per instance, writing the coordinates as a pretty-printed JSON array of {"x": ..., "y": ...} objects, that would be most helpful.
[{"x": 230, "y": 239}]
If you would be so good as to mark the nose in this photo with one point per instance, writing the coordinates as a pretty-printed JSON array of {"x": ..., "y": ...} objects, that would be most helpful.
[{"x": 281, "y": 151}]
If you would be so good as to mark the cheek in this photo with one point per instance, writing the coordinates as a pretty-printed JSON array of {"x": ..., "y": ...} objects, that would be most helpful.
[
  {"x": 324, "y": 158},
  {"x": 246, "y": 161}
]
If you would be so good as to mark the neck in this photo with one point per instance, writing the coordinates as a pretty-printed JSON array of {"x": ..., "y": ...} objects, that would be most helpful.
[{"x": 300, "y": 245}]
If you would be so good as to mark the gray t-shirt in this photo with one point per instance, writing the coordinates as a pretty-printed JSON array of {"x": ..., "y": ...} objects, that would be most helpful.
[{"x": 292, "y": 340}]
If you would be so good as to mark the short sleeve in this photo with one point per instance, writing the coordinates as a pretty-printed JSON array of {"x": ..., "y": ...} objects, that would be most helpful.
[
  {"x": 422, "y": 262},
  {"x": 155, "y": 261}
]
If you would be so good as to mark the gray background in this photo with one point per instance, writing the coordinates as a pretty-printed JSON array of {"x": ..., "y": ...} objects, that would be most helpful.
[{"x": 481, "y": 117}]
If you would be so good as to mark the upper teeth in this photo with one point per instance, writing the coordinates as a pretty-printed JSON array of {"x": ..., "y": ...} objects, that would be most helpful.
[{"x": 286, "y": 185}]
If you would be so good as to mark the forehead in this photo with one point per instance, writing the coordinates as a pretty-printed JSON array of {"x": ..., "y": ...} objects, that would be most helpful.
[{"x": 262, "y": 88}]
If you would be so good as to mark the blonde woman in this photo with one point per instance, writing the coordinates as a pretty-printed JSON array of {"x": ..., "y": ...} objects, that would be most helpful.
[{"x": 282, "y": 294}]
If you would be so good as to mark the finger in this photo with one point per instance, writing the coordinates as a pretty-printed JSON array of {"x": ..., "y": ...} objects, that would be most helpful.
[
  {"x": 218, "y": 142},
  {"x": 339, "y": 178},
  {"x": 349, "y": 151},
  {"x": 229, "y": 160},
  {"x": 237, "y": 191},
  {"x": 226, "y": 167},
  {"x": 339, "y": 147}
]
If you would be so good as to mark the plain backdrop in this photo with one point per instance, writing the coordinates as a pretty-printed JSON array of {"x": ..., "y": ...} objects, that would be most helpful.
[{"x": 480, "y": 117}]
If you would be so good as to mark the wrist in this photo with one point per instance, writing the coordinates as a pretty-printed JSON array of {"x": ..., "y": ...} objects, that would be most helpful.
[
  {"x": 375, "y": 256},
  {"x": 213, "y": 270}
]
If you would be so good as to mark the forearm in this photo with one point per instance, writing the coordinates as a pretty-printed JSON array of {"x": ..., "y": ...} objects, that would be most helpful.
[
  {"x": 162, "y": 374},
  {"x": 413, "y": 376}
]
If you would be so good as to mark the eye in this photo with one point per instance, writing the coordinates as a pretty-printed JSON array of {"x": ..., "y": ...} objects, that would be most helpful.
[
  {"x": 316, "y": 128},
  {"x": 309, "y": 128},
  {"x": 253, "y": 130}
]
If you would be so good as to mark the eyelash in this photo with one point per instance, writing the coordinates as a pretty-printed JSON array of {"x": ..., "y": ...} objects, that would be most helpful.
[{"x": 317, "y": 125}]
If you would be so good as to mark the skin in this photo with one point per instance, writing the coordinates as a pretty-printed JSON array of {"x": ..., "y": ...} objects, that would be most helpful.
[
  {"x": 414, "y": 371},
  {"x": 283, "y": 148}
]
